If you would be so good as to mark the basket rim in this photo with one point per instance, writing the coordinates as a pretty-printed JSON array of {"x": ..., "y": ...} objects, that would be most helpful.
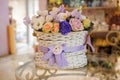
[{"x": 59, "y": 32}]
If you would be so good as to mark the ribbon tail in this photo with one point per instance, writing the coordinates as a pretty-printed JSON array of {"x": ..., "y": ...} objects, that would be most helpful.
[
  {"x": 64, "y": 61},
  {"x": 51, "y": 60},
  {"x": 60, "y": 60},
  {"x": 47, "y": 55},
  {"x": 90, "y": 44}
]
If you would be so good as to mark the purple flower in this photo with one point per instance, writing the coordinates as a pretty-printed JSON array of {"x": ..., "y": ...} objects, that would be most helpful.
[
  {"x": 65, "y": 27},
  {"x": 26, "y": 20},
  {"x": 62, "y": 8},
  {"x": 75, "y": 13}
]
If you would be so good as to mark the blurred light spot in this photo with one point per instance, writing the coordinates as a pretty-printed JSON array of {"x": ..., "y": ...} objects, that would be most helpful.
[{"x": 20, "y": 63}]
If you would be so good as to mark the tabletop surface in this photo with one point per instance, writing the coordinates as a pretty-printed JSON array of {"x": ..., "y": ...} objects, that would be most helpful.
[
  {"x": 28, "y": 71},
  {"x": 10, "y": 64}
]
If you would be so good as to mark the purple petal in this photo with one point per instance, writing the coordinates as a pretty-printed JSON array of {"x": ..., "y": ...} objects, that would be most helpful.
[
  {"x": 62, "y": 8},
  {"x": 26, "y": 21},
  {"x": 27, "y": 18},
  {"x": 76, "y": 14},
  {"x": 65, "y": 27}
]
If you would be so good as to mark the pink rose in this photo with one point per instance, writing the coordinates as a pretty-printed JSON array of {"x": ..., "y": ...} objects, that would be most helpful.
[
  {"x": 76, "y": 24},
  {"x": 55, "y": 28},
  {"x": 47, "y": 27}
]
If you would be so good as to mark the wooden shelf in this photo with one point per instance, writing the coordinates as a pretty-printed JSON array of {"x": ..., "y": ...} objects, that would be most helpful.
[
  {"x": 99, "y": 34},
  {"x": 92, "y": 8},
  {"x": 102, "y": 34}
]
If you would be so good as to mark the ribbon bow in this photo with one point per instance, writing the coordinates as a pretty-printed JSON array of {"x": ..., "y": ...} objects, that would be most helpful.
[{"x": 55, "y": 55}]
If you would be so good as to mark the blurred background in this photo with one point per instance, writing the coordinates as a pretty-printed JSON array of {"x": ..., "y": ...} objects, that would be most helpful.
[
  {"x": 18, "y": 45},
  {"x": 14, "y": 11}
]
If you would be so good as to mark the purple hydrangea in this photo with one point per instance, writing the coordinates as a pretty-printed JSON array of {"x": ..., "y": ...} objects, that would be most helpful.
[
  {"x": 62, "y": 9},
  {"x": 65, "y": 27}
]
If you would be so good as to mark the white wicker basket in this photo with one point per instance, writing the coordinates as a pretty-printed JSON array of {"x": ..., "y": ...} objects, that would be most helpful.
[{"x": 74, "y": 59}]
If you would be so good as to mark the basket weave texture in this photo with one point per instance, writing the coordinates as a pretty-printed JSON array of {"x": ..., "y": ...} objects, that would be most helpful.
[{"x": 74, "y": 59}]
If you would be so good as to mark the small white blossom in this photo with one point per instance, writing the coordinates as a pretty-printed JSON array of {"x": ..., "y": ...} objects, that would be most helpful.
[
  {"x": 49, "y": 18},
  {"x": 45, "y": 13},
  {"x": 38, "y": 23},
  {"x": 57, "y": 49},
  {"x": 62, "y": 16},
  {"x": 39, "y": 13},
  {"x": 83, "y": 17}
]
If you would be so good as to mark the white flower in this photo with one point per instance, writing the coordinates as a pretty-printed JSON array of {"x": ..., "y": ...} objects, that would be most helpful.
[
  {"x": 38, "y": 23},
  {"x": 42, "y": 19},
  {"x": 54, "y": 11},
  {"x": 42, "y": 13},
  {"x": 49, "y": 18},
  {"x": 57, "y": 49},
  {"x": 62, "y": 16},
  {"x": 39, "y": 13},
  {"x": 45, "y": 13},
  {"x": 68, "y": 13},
  {"x": 33, "y": 19},
  {"x": 83, "y": 17}
]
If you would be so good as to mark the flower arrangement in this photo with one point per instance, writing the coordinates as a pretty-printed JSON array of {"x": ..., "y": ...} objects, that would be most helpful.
[{"x": 60, "y": 20}]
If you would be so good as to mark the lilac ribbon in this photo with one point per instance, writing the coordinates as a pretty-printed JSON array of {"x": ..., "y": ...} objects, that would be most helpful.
[
  {"x": 90, "y": 44},
  {"x": 59, "y": 59},
  {"x": 26, "y": 20}
]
